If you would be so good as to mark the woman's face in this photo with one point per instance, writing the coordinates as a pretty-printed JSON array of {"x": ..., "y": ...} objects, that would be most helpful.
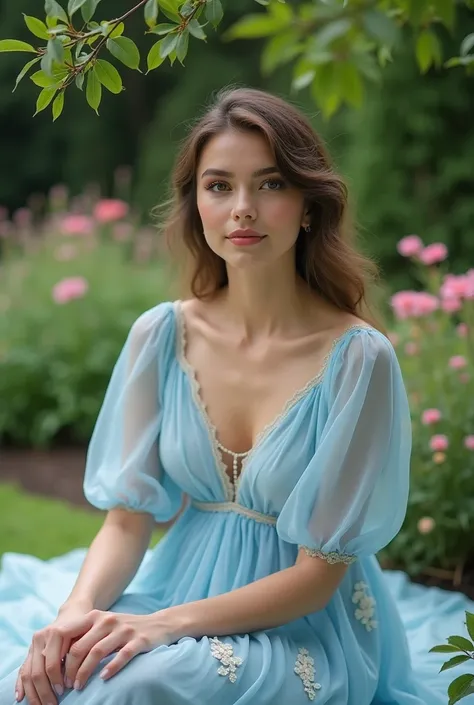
[{"x": 239, "y": 187}]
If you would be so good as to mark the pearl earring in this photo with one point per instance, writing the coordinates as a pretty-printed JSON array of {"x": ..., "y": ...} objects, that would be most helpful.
[{"x": 307, "y": 228}]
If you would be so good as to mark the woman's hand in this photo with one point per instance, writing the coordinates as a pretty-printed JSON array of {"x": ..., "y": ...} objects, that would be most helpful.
[
  {"x": 41, "y": 673},
  {"x": 109, "y": 632}
]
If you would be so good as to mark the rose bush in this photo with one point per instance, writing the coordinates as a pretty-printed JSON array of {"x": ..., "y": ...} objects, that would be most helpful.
[{"x": 70, "y": 286}]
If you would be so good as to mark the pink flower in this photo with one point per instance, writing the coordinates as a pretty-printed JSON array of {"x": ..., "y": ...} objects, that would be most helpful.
[
  {"x": 410, "y": 246},
  {"x": 439, "y": 442},
  {"x": 413, "y": 303},
  {"x": 70, "y": 289},
  {"x": 110, "y": 210},
  {"x": 77, "y": 225},
  {"x": 426, "y": 525},
  {"x": 469, "y": 442},
  {"x": 451, "y": 304},
  {"x": 411, "y": 348},
  {"x": 437, "y": 252},
  {"x": 430, "y": 416},
  {"x": 457, "y": 362},
  {"x": 462, "y": 330},
  {"x": 458, "y": 286}
]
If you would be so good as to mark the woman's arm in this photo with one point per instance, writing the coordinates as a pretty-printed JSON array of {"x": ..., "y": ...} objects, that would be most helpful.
[
  {"x": 267, "y": 603},
  {"x": 112, "y": 559}
]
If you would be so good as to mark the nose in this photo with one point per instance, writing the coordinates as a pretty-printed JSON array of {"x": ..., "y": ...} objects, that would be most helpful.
[{"x": 243, "y": 208}]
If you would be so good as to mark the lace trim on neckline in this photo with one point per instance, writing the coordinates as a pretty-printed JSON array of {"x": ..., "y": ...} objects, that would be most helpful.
[{"x": 231, "y": 492}]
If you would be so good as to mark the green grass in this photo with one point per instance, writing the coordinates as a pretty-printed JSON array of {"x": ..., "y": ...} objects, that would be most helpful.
[{"x": 45, "y": 527}]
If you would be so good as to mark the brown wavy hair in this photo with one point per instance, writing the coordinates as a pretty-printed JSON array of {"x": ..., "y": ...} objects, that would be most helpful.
[{"x": 326, "y": 258}]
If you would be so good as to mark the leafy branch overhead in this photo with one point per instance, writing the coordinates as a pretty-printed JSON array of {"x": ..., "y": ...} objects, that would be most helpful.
[{"x": 335, "y": 46}]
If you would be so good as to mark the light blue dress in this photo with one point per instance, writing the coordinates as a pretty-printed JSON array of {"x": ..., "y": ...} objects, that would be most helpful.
[{"x": 331, "y": 474}]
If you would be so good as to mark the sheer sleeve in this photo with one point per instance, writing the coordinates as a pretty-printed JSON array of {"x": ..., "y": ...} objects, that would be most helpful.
[
  {"x": 351, "y": 499},
  {"x": 123, "y": 466}
]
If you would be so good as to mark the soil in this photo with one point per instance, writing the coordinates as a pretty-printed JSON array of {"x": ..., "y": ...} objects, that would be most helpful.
[{"x": 59, "y": 473}]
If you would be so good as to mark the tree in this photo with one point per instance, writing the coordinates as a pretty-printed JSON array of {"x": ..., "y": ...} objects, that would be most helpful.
[{"x": 334, "y": 46}]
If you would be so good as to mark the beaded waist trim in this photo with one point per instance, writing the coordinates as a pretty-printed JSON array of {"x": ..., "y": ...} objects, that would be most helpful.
[{"x": 234, "y": 507}]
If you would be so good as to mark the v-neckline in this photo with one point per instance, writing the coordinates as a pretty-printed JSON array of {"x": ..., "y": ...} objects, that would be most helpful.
[{"x": 231, "y": 491}]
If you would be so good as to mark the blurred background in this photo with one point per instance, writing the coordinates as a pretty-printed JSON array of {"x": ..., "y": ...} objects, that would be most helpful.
[{"x": 80, "y": 260}]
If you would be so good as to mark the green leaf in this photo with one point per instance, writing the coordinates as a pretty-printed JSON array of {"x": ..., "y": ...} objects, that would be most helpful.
[
  {"x": 381, "y": 27},
  {"x": 93, "y": 90},
  {"x": 182, "y": 46},
  {"x": 470, "y": 621},
  {"x": 45, "y": 80},
  {"x": 331, "y": 32},
  {"x": 325, "y": 89},
  {"x": 459, "y": 688},
  {"x": 151, "y": 13},
  {"x": 154, "y": 58},
  {"x": 196, "y": 30},
  {"x": 24, "y": 71},
  {"x": 214, "y": 12},
  {"x": 80, "y": 80},
  {"x": 454, "y": 662},
  {"x": 350, "y": 84},
  {"x": 168, "y": 44},
  {"x": 88, "y": 9},
  {"x": 108, "y": 76},
  {"x": 446, "y": 11},
  {"x": 170, "y": 9},
  {"x": 164, "y": 28},
  {"x": 56, "y": 50},
  {"x": 75, "y": 5},
  {"x": 280, "y": 50},
  {"x": 15, "y": 45},
  {"x": 253, "y": 27},
  {"x": 44, "y": 99},
  {"x": 428, "y": 50},
  {"x": 461, "y": 642},
  {"x": 466, "y": 46},
  {"x": 125, "y": 50},
  {"x": 444, "y": 649},
  {"x": 54, "y": 9},
  {"x": 36, "y": 27},
  {"x": 58, "y": 105}
]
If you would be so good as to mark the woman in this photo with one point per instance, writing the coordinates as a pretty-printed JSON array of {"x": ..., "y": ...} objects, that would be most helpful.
[{"x": 269, "y": 402}]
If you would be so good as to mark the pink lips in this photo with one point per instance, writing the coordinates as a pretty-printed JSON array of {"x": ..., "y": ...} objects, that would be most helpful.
[{"x": 245, "y": 236}]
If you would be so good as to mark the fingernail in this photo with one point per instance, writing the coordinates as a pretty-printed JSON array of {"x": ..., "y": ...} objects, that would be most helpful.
[
  {"x": 17, "y": 695},
  {"x": 104, "y": 673},
  {"x": 59, "y": 689},
  {"x": 68, "y": 682},
  {"x": 77, "y": 685}
]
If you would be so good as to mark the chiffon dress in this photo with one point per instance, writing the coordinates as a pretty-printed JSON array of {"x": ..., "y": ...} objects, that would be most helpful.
[{"x": 330, "y": 475}]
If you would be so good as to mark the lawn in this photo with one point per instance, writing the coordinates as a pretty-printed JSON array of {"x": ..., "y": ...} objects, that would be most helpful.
[{"x": 45, "y": 527}]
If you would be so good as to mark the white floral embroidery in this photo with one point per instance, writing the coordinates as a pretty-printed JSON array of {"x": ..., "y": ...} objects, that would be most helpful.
[
  {"x": 225, "y": 654},
  {"x": 366, "y": 609},
  {"x": 305, "y": 670}
]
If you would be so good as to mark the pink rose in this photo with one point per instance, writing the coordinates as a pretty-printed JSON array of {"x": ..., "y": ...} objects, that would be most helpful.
[
  {"x": 458, "y": 286},
  {"x": 437, "y": 252},
  {"x": 110, "y": 210},
  {"x": 430, "y": 416},
  {"x": 457, "y": 362},
  {"x": 451, "y": 304},
  {"x": 426, "y": 525},
  {"x": 77, "y": 225},
  {"x": 70, "y": 289},
  {"x": 469, "y": 442},
  {"x": 410, "y": 246},
  {"x": 413, "y": 304},
  {"x": 462, "y": 330},
  {"x": 439, "y": 442}
]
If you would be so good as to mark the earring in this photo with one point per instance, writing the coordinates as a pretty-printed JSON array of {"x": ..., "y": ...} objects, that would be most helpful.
[{"x": 307, "y": 228}]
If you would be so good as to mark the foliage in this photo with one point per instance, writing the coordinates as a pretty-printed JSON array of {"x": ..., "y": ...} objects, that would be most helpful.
[
  {"x": 462, "y": 686},
  {"x": 334, "y": 45},
  {"x": 408, "y": 159},
  {"x": 434, "y": 339},
  {"x": 68, "y": 297}
]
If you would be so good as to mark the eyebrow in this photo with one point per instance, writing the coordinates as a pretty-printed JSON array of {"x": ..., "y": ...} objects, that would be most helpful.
[{"x": 259, "y": 172}]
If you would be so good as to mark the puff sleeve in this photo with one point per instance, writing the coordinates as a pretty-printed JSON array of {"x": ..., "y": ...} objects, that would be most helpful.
[
  {"x": 352, "y": 497},
  {"x": 122, "y": 465}
]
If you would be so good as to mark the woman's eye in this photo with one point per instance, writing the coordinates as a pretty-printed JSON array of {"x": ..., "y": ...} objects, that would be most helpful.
[
  {"x": 274, "y": 184},
  {"x": 212, "y": 187}
]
